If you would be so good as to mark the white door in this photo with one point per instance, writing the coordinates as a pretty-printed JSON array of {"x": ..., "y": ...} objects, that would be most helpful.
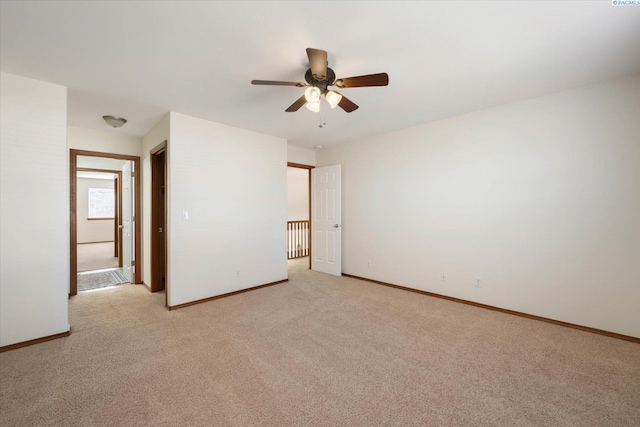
[
  {"x": 127, "y": 221},
  {"x": 326, "y": 220}
]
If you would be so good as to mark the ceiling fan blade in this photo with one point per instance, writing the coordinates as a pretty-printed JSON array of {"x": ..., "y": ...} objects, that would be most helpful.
[
  {"x": 296, "y": 105},
  {"x": 380, "y": 79},
  {"x": 347, "y": 105},
  {"x": 318, "y": 62},
  {"x": 276, "y": 83}
]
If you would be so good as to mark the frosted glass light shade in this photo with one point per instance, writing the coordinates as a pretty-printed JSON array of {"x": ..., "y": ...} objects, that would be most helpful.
[
  {"x": 314, "y": 106},
  {"x": 333, "y": 98},
  {"x": 113, "y": 121},
  {"x": 312, "y": 94}
]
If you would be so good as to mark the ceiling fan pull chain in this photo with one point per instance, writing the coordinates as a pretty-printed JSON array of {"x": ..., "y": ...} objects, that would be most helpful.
[{"x": 323, "y": 122}]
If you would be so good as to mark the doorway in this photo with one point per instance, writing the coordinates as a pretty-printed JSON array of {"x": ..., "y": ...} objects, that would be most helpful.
[
  {"x": 135, "y": 228},
  {"x": 326, "y": 196},
  {"x": 158, "y": 218},
  {"x": 298, "y": 231},
  {"x": 99, "y": 202}
]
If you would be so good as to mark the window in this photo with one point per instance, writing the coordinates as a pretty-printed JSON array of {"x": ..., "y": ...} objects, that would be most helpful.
[{"x": 101, "y": 203}]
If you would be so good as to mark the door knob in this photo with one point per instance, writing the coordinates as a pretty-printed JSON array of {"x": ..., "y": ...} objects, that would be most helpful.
[
  {"x": 160, "y": 230},
  {"x": 335, "y": 226}
]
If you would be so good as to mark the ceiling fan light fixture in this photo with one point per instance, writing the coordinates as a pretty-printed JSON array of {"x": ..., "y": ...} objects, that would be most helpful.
[
  {"x": 312, "y": 94},
  {"x": 333, "y": 98},
  {"x": 319, "y": 77},
  {"x": 314, "y": 106},
  {"x": 115, "y": 122}
]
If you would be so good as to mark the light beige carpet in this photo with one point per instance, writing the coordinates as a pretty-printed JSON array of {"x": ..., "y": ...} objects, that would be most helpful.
[
  {"x": 317, "y": 350},
  {"x": 96, "y": 256}
]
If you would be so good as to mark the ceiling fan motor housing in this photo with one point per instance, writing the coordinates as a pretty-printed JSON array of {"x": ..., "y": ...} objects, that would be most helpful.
[{"x": 320, "y": 84}]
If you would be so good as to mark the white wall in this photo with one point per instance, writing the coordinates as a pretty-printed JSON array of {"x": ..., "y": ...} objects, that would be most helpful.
[
  {"x": 156, "y": 136},
  {"x": 540, "y": 198},
  {"x": 107, "y": 141},
  {"x": 301, "y": 156},
  {"x": 34, "y": 248},
  {"x": 298, "y": 185},
  {"x": 232, "y": 182},
  {"x": 103, "y": 163},
  {"x": 92, "y": 230},
  {"x": 297, "y": 194}
]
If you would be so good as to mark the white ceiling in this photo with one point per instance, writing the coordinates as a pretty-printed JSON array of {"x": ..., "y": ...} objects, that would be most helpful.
[{"x": 141, "y": 59}]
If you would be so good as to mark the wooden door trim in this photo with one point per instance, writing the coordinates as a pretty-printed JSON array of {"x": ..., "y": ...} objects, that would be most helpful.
[
  {"x": 73, "y": 217},
  {"x": 308, "y": 167},
  {"x": 158, "y": 148},
  {"x": 97, "y": 170},
  {"x": 156, "y": 220},
  {"x": 299, "y": 166}
]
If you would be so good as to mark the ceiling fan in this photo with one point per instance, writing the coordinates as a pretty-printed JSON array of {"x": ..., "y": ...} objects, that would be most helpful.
[{"x": 318, "y": 79}]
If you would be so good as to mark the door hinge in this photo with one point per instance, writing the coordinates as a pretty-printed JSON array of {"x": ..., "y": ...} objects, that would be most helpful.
[
  {"x": 133, "y": 174},
  {"x": 133, "y": 219},
  {"x": 133, "y": 263}
]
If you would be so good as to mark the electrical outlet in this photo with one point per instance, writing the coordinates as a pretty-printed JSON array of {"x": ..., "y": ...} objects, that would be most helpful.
[
  {"x": 478, "y": 282},
  {"x": 443, "y": 277},
  {"x": 369, "y": 263}
]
